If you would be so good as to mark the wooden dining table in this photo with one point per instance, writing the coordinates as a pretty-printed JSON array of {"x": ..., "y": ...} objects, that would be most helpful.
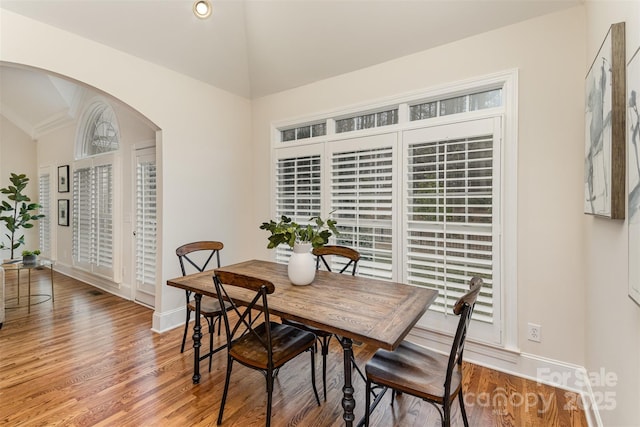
[{"x": 376, "y": 312}]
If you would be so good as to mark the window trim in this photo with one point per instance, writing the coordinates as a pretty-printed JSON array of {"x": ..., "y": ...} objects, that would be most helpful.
[{"x": 508, "y": 80}]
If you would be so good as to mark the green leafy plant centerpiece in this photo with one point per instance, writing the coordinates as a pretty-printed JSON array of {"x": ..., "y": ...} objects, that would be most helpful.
[
  {"x": 302, "y": 266},
  {"x": 288, "y": 232},
  {"x": 16, "y": 213}
]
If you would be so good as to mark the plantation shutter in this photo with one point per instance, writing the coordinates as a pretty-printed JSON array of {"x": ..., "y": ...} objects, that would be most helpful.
[
  {"x": 93, "y": 219},
  {"x": 103, "y": 216},
  {"x": 298, "y": 192},
  {"x": 362, "y": 192},
  {"x": 146, "y": 223},
  {"x": 450, "y": 220},
  {"x": 82, "y": 217},
  {"x": 44, "y": 199}
]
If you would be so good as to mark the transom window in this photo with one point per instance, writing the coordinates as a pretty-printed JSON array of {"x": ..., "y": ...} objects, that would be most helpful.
[
  {"x": 304, "y": 132},
  {"x": 455, "y": 105},
  {"x": 99, "y": 132},
  {"x": 367, "y": 121}
]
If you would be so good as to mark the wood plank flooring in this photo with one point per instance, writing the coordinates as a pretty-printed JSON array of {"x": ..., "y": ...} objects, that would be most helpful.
[{"x": 90, "y": 359}]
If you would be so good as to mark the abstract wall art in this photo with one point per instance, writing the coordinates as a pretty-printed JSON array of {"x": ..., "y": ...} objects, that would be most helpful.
[
  {"x": 633, "y": 166},
  {"x": 604, "y": 164}
]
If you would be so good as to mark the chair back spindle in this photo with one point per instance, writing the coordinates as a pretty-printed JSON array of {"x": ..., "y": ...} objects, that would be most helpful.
[{"x": 323, "y": 252}]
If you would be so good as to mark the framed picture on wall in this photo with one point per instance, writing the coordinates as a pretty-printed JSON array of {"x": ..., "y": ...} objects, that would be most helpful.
[
  {"x": 63, "y": 179},
  {"x": 63, "y": 212},
  {"x": 633, "y": 165},
  {"x": 604, "y": 163}
]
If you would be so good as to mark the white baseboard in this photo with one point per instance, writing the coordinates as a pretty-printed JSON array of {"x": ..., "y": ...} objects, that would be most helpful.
[
  {"x": 165, "y": 321},
  {"x": 556, "y": 373},
  {"x": 120, "y": 289}
]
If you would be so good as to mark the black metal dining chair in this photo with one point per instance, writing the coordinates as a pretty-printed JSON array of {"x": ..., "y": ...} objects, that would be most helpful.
[
  {"x": 254, "y": 340},
  {"x": 418, "y": 371},
  {"x": 198, "y": 255},
  {"x": 347, "y": 259}
]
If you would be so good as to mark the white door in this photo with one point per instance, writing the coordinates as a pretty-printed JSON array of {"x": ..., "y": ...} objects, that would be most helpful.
[{"x": 145, "y": 228}]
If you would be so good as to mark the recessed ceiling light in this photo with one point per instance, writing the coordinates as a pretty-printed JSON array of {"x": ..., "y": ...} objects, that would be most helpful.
[{"x": 202, "y": 8}]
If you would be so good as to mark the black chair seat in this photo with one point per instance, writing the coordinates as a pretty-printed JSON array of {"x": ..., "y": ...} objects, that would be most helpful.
[
  {"x": 287, "y": 342},
  {"x": 414, "y": 370}
]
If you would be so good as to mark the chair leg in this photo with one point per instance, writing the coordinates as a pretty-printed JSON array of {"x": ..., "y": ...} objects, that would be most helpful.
[
  {"x": 367, "y": 404},
  {"x": 269, "y": 378},
  {"x": 313, "y": 375},
  {"x": 446, "y": 414},
  {"x": 212, "y": 329},
  {"x": 462, "y": 410},
  {"x": 324, "y": 345},
  {"x": 226, "y": 389},
  {"x": 186, "y": 329}
]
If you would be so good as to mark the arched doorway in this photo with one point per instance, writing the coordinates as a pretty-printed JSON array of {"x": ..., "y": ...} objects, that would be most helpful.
[{"x": 41, "y": 114}]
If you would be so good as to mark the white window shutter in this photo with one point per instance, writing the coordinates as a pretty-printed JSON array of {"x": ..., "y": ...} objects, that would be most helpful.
[
  {"x": 103, "y": 216},
  {"x": 362, "y": 196},
  {"x": 146, "y": 223},
  {"x": 298, "y": 192},
  {"x": 93, "y": 219},
  {"x": 44, "y": 199},
  {"x": 82, "y": 217},
  {"x": 449, "y": 212}
]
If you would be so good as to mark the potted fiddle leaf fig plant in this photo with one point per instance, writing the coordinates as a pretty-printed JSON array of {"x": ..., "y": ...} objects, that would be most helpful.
[
  {"x": 301, "y": 238},
  {"x": 18, "y": 212}
]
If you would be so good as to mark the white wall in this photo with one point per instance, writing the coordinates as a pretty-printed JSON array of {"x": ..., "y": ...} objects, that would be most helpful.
[
  {"x": 18, "y": 155},
  {"x": 56, "y": 149},
  {"x": 549, "y": 53},
  {"x": 204, "y": 141},
  {"x": 613, "y": 319}
]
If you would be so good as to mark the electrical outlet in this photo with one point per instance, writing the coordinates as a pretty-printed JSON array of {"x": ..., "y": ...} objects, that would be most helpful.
[{"x": 534, "y": 332}]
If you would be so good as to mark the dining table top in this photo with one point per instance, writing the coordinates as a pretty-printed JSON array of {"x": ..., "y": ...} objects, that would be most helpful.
[{"x": 376, "y": 312}]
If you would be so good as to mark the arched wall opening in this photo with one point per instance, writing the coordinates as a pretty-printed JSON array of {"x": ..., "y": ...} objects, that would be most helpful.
[{"x": 42, "y": 113}]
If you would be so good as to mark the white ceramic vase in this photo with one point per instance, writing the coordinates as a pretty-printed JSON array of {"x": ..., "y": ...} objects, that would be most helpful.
[{"x": 302, "y": 265}]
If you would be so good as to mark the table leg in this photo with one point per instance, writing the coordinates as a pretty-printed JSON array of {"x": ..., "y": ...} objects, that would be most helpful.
[
  {"x": 196, "y": 340},
  {"x": 51, "y": 268},
  {"x": 348, "y": 402},
  {"x": 29, "y": 300},
  {"x": 18, "y": 287}
]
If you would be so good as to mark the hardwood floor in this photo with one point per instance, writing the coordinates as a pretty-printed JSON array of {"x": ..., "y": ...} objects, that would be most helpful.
[{"x": 90, "y": 359}]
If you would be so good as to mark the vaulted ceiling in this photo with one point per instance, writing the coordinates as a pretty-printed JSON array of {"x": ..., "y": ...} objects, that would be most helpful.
[{"x": 252, "y": 48}]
